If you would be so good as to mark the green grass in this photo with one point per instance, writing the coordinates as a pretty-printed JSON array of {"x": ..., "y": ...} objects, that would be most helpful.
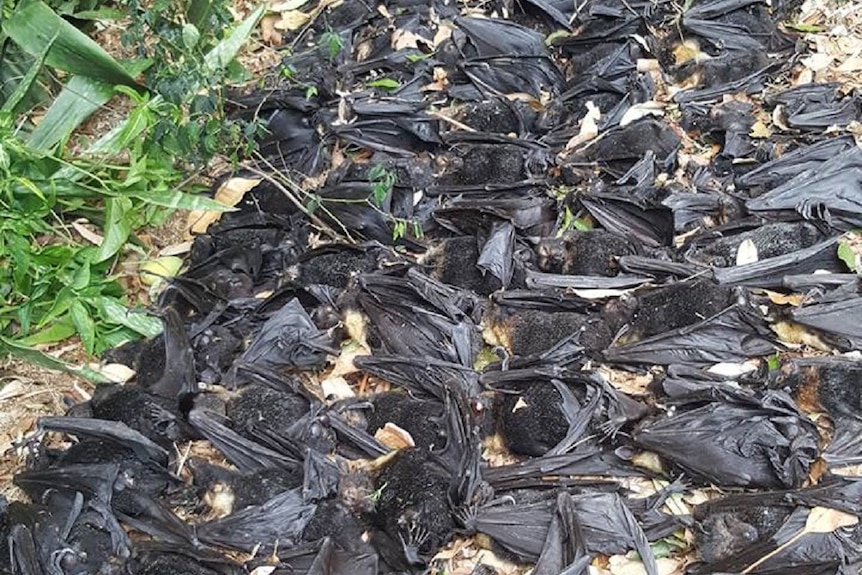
[{"x": 54, "y": 284}]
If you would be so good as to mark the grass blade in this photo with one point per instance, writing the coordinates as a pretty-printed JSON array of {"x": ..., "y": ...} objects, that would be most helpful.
[{"x": 34, "y": 26}]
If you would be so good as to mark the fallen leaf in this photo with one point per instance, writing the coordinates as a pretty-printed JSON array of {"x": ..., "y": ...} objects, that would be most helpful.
[
  {"x": 759, "y": 130},
  {"x": 12, "y": 389},
  {"x": 86, "y": 233},
  {"x": 336, "y": 388},
  {"x": 153, "y": 271},
  {"x": 394, "y": 437},
  {"x": 641, "y": 110},
  {"x": 268, "y": 32},
  {"x": 229, "y": 194},
  {"x": 746, "y": 253},
  {"x": 589, "y": 127},
  {"x": 293, "y": 20},
  {"x": 795, "y": 299},
  {"x": 114, "y": 372}
]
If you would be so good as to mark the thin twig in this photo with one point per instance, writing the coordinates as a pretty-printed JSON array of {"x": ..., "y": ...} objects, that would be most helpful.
[{"x": 295, "y": 201}]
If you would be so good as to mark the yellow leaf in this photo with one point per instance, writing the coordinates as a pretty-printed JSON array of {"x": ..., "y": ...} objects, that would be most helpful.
[
  {"x": 229, "y": 194},
  {"x": 163, "y": 267},
  {"x": 760, "y": 130}
]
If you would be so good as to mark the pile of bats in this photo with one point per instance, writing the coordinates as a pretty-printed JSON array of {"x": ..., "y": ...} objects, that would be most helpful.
[{"x": 496, "y": 323}]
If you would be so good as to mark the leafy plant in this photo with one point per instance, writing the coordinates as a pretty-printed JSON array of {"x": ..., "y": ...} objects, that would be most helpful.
[
  {"x": 334, "y": 43},
  {"x": 67, "y": 219},
  {"x": 382, "y": 181}
]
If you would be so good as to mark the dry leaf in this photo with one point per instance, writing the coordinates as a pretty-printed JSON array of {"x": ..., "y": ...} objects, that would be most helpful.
[
  {"x": 794, "y": 299},
  {"x": 760, "y": 130},
  {"x": 746, "y": 253},
  {"x": 268, "y": 32},
  {"x": 853, "y": 64},
  {"x": 402, "y": 39},
  {"x": 444, "y": 32},
  {"x": 86, "y": 233},
  {"x": 289, "y": 5},
  {"x": 344, "y": 362},
  {"x": 642, "y": 110},
  {"x": 394, "y": 437},
  {"x": 12, "y": 389},
  {"x": 293, "y": 20},
  {"x": 820, "y": 520},
  {"x": 826, "y": 520},
  {"x": 648, "y": 460},
  {"x": 336, "y": 388},
  {"x": 229, "y": 194},
  {"x": 114, "y": 372},
  {"x": 817, "y": 62},
  {"x": 176, "y": 249},
  {"x": 622, "y": 565},
  {"x": 589, "y": 127}
]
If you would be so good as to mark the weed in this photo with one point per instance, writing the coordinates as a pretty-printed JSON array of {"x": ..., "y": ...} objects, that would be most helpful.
[
  {"x": 67, "y": 220},
  {"x": 382, "y": 181},
  {"x": 334, "y": 43}
]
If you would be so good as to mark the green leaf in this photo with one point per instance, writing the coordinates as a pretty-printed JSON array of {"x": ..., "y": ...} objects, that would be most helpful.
[
  {"x": 773, "y": 362},
  {"x": 82, "y": 277},
  {"x": 100, "y": 14},
  {"x": 198, "y": 12},
  {"x": 36, "y": 357},
  {"x": 179, "y": 200},
  {"x": 226, "y": 50},
  {"x": 848, "y": 255},
  {"x": 84, "y": 324},
  {"x": 10, "y": 105},
  {"x": 117, "y": 313},
  {"x": 385, "y": 83},
  {"x": 805, "y": 28},
  {"x": 56, "y": 332},
  {"x": 34, "y": 26},
  {"x": 191, "y": 36},
  {"x": 79, "y": 98},
  {"x": 117, "y": 227}
]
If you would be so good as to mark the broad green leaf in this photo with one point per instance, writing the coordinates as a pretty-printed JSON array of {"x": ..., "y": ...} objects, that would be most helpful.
[
  {"x": 191, "y": 36},
  {"x": 57, "y": 331},
  {"x": 179, "y": 200},
  {"x": 117, "y": 227},
  {"x": 33, "y": 26},
  {"x": 79, "y": 98},
  {"x": 10, "y": 105},
  {"x": 116, "y": 312},
  {"x": 36, "y": 357},
  {"x": 198, "y": 12},
  {"x": 100, "y": 14},
  {"x": 82, "y": 277},
  {"x": 60, "y": 306},
  {"x": 226, "y": 50},
  {"x": 84, "y": 324},
  {"x": 848, "y": 255}
]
